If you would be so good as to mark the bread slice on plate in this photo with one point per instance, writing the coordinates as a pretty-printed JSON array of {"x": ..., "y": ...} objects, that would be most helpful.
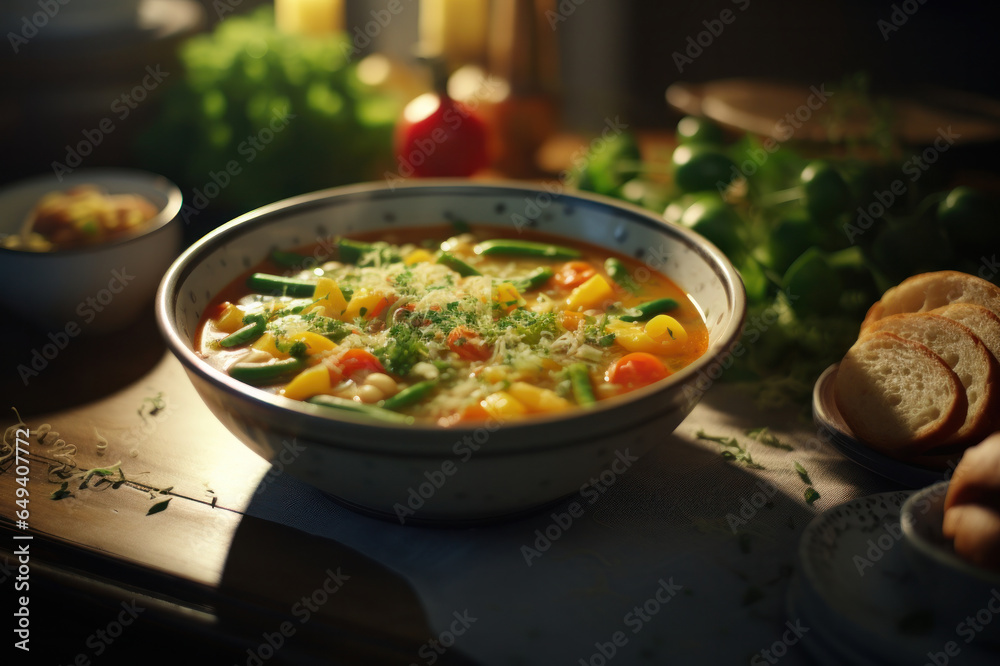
[
  {"x": 927, "y": 291},
  {"x": 964, "y": 354},
  {"x": 898, "y": 396},
  {"x": 977, "y": 319}
]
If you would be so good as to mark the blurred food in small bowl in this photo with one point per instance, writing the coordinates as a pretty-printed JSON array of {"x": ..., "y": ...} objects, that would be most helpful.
[{"x": 87, "y": 253}]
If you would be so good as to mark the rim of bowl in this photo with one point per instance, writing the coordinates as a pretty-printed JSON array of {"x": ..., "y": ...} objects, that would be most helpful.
[
  {"x": 167, "y": 213},
  {"x": 910, "y": 517},
  {"x": 166, "y": 297}
]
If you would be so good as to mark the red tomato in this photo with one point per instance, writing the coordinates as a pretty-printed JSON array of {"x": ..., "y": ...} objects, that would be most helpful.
[
  {"x": 635, "y": 370},
  {"x": 467, "y": 344},
  {"x": 573, "y": 274},
  {"x": 355, "y": 360},
  {"x": 438, "y": 136}
]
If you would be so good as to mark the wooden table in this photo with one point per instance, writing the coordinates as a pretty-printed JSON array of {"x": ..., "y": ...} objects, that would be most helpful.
[{"x": 200, "y": 569}]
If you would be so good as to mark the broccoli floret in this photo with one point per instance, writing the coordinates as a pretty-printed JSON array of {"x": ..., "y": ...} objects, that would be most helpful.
[{"x": 404, "y": 350}]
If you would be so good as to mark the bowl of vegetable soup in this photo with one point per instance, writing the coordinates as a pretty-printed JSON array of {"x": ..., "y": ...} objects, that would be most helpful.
[{"x": 451, "y": 351}]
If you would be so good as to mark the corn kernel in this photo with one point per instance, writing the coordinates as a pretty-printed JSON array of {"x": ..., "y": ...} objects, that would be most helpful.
[
  {"x": 364, "y": 300},
  {"x": 418, "y": 256},
  {"x": 306, "y": 384},
  {"x": 503, "y": 406},
  {"x": 231, "y": 319},
  {"x": 268, "y": 343},
  {"x": 590, "y": 294},
  {"x": 315, "y": 342},
  {"x": 328, "y": 295},
  {"x": 664, "y": 328},
  {"x": 633, "y": 337},
  {"x": 507, "y": 298},
  {"x": 538, "y": 399}
]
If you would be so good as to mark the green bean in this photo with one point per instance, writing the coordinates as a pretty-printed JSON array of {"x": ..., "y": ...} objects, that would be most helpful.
[
  {"x": 456, "y": 264},
  {"x": 526, "y": 249},
  {"x": 619, "y": 273},
  {"x": 410, "y": 395},
  {"x": 350, "y": 251},
  {"x": 650, "y": 309},
  {"x": 288, "y": 259},
  {"x": 533, "y": 280},
  {"x": 583, "y": 391},
  {"x": 280, "y": 285},
  {"x": 262, "y": 374},
  {"x": 374, "y": 412},
  {"x": 254, "y": 328}
]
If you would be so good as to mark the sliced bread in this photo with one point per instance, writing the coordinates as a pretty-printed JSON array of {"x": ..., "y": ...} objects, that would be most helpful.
[
  {"x": 977, "y": 319},
  {"x": 927, "y": 291},
  {"x": 898, "y": 396},
  {"x": 964, "y": 354}
]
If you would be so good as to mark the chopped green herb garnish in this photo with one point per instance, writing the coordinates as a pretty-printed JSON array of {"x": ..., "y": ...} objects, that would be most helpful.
[
  {"x": 764, "y": 436},
  {"x": 811, "y": 495},
  {"x": 803, "y": 474},
  {"x": 158, "y": 507},
  {"x": 61, "y": 493}
]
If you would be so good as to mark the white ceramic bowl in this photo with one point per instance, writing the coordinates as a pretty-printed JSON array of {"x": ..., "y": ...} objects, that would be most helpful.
[
  {"x": 959, "y": 588},
  {"x": 95, "y": 289},
  {"x": 425, "y": 472}
]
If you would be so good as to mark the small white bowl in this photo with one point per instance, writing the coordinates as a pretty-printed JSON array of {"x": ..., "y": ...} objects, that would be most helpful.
[
  {"x": 95, "y": 289},
  {"x": 959, "y": 589}
]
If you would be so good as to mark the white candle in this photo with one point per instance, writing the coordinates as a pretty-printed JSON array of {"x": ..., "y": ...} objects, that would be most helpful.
[
  {"x": 309, "y": 17},
  {"x": 455, "y": 29}
]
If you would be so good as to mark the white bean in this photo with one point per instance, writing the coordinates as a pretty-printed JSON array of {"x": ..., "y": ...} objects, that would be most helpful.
[
  {"x": 382, "y": 382},
  {"x": 370, "y": 394}
]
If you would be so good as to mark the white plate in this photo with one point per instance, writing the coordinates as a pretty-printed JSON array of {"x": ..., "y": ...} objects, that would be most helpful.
[
  {"x": 855, "y": 589},
  {"x": 827, "y": 416}
]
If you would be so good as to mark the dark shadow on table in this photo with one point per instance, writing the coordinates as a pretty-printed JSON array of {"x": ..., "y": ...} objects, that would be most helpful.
[{"x": 81, "y": 369}]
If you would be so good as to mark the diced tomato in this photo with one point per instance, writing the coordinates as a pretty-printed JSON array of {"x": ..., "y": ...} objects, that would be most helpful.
[
  {"x": 573, "y": 274},
  {"x": 635, "y": 370},
  {"x": 468, "y": 344},
  {"x": 355, "y": 360}
]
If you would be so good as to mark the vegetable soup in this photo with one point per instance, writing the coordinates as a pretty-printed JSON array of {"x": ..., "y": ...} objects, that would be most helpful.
[{"x": 452, "y": 325}]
